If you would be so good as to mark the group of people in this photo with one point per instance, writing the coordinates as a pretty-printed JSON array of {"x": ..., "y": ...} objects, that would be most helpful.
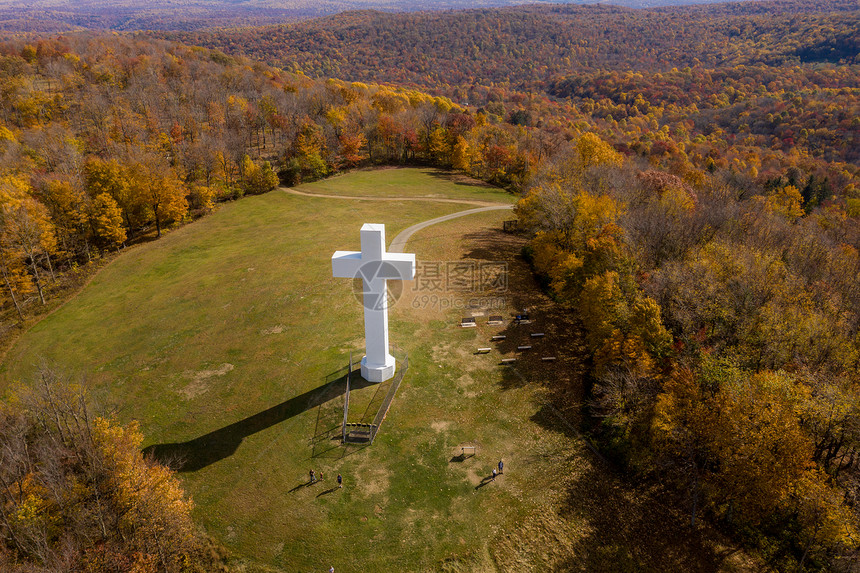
[
  {"x": 314, "y": 478},
  {"x": 500, "y": 470}
]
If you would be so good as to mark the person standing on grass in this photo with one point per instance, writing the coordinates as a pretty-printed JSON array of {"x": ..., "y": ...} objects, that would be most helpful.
[
  {"x": 313, "y": 476},
  {"x": 494, "y": 474},
  {"x": 501, "y": 466},
  {"x": 339, "y": 480}
]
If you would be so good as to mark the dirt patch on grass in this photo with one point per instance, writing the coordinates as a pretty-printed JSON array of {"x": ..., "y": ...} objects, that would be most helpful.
[
  {"x": 374, "y": 481},
  {"x": 441, "y": 353},
  {"x": 277, "y": 329},
  {"x": 465, "y": 382},
  {"x": 440, "y": 425},
  {"x": 200, "y": 380}
]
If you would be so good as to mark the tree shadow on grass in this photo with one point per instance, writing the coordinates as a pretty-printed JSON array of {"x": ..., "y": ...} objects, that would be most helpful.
[
  {"x": 637, "y": 527},
  {"x": 200, "y": 452},
  {"x": 632, "y": 526},
  {"x": 460, "y": 179}
]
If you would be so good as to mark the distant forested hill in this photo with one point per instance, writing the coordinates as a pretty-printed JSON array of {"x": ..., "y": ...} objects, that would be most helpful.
[
  {"x": 128, "y": 15},
  {"x": 765, "y": 75},
  {"x": 526, "y": 45}
]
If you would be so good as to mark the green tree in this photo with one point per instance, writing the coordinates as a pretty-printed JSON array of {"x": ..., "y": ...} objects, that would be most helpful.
[{"x": 257, "y": 179}]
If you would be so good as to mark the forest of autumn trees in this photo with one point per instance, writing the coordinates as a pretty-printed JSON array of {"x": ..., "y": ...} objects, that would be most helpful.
[
  {"x": 523, "y": 47},
  {"x": 722, "y": 326},
  {"x": 698, "y": 214},
  {"x": 767, "y": 90},
  {"x": 76, "y": 493}
]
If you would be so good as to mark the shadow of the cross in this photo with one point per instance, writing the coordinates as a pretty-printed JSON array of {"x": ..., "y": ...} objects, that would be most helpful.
[{"x": 200, "y": 452}]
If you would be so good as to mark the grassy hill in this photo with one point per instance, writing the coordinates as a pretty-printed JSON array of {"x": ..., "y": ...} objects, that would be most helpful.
[{"x": 229, "y": 335}]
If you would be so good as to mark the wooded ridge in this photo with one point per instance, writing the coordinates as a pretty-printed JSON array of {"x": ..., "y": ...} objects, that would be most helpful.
[{"x": 690, "y": 185}]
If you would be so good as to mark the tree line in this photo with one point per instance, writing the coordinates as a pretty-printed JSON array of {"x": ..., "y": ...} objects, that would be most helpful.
[
  {"x": 110, "y": 139},
  {"x": 722, "y": 331}
]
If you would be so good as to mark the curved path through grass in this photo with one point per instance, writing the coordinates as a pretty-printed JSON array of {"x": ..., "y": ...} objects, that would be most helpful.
[
  {"x": 365, "y": 198},
  {"x": 399, "y": 242}
]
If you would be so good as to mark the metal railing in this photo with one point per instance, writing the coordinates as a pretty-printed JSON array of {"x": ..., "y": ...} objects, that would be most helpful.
[
  {"x": 386, "y": 404},
  {"x": 346, "y": 402},
  {"x": 364, "y": 432}
]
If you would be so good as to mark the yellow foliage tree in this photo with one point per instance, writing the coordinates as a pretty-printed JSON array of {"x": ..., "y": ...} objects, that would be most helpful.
[
  {"x": 621, "y": 328},
  {"x": 825, "y": 520},
  {"x": 150, "y": 501},
  {"x": 26, "y": 229},
  {"x": 106, "y": 218},
  {"x": 594, "y": 151},
  {"x": 762, "y": 451},
  {"x": 460, "y": 156},
  {"x": 68, "y": 205},
  {"x": 115, "y": 179},
  {"x": 786, "y": 202},
  {"x": 160, "y": 190}
]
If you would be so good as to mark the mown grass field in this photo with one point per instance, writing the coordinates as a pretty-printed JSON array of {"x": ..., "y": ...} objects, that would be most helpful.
[
  {"x": 226, "y": 336},
  {"x": 394, "y": 182}
]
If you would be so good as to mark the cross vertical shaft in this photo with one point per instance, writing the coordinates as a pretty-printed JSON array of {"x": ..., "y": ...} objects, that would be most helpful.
[{"x": 375, "y": 267}]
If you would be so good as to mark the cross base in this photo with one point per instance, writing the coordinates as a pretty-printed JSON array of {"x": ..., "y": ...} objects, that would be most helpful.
[{"x": 378, "y": 372}]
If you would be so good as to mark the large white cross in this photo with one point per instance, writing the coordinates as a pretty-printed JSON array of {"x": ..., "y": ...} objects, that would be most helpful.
[{"x": 374, "y": 266}]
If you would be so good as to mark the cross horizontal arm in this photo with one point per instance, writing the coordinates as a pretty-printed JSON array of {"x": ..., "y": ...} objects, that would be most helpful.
[
  {"x": 401, "y": 265},
  {"x": 345, "y": 264}
]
